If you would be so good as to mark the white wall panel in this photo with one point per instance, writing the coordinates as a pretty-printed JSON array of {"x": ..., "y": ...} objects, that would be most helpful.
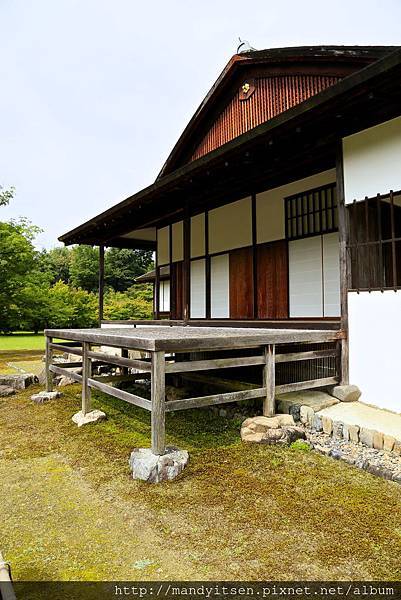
[
  {"x": 230, "y": 226},
  {"x": 163, "y": 246},
  {"x": 220, "y": 286},
  {"x": 375, "y": 337},
  {"x": 331, "y": 275},
  {"x": 177, "y": 241},
  {"x": 372, "y": 161},
  {"x": 270, "y": 214},
  {"x": 198, "y": 235},
  {"x": 198, "y": 289},
  {"x": 305, "y": 277}
]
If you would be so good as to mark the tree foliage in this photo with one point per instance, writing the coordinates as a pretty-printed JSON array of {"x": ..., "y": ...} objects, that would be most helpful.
[{"x": 58, "y": 287}]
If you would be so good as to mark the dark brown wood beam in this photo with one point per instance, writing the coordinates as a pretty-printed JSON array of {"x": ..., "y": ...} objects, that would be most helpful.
[{"x": 101, "y": 283}]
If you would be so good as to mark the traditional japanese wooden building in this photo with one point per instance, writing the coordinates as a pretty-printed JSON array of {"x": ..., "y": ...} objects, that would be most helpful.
[{"x": 279, "y": 207}]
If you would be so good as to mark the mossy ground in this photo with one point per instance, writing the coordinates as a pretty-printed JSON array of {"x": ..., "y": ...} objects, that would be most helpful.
[{"x": 71, "y": 511}]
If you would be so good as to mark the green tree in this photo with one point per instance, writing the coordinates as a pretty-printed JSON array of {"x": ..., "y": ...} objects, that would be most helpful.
[
  {"x": 56, "y": 263},
  {"x": 70, "y": 307},
  {"x": 84, "y": 268},
  {"x": 6, "y": 195},
  {"x": 123, "y": 266},
  {"x": 134, "y": 304},
  {"x": 17, "y": 259}
]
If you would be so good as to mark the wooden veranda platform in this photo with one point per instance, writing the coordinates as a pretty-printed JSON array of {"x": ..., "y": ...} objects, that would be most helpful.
[{"x": 163, "y": 347}]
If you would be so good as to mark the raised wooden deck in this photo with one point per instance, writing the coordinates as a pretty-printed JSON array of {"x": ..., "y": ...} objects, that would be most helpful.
[{"x": 164, "y": 344}]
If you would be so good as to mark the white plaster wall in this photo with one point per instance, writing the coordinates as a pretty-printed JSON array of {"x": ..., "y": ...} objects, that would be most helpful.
[
  {"x": 163, "y": 246},
  {"x": 270, "y": 213},
  {"x": 177, "y": 250},
  {"x": 230, "y": 226},
  {"x": 372, "y": 161},
  {"x": 198, "y": 235},
  {"x": 375, "y": 344}
]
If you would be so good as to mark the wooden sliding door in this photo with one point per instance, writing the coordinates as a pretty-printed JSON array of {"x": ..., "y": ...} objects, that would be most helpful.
[
  {"x": 241, "y": 284},
  {"x": 272, "y": 280}
]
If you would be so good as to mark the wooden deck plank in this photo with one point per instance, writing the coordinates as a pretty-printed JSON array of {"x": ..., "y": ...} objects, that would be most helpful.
[{"x": 184, "y": 339}]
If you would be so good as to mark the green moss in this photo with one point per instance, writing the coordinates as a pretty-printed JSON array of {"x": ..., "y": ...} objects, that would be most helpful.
[{"x": 237, "y": 511}]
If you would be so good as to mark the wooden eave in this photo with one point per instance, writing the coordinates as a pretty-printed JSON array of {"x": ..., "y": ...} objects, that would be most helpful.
[{"x": 296, "y": 143}]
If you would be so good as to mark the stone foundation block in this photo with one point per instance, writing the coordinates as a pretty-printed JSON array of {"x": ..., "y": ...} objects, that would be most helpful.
[
  {"x": 338, "y": 430},
  {"x": 94, "y": 416},
  {"x": 351, "y": 433},
  {"x": 397, "y": 447},
  {"x": 280, "y": 429},
  {"x": 388, "y": 442},
  {"x": 317, "y": 422},
  {"x": 327, "y": 425},
  {"x": 18, "y": 382},
  {"x": 346, "y": 393},
  {"x": 307, "y": 413},
  {"x": 43, "y": 397},
  {"x": 378, "y": 440},
  {"x": 366, "y": 436},
  {"x": 153, "y": 468},
  {"x": 6, "y": 390}
]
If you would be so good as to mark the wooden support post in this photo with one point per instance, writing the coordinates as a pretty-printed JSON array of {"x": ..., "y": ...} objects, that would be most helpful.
[
  {"x": 124, "y": 354},
  {"x": 269, "y": 381},
  {"x": 86, "y": 374},
  {"x": 48, "y": 359},
  {"x": 158, "y": 402},
  {"x": 156, "y": 299},
  {"x": 187, "y": 265},
  {"x": 101, "y": 283},
  {"x": 343, "y": 238}
]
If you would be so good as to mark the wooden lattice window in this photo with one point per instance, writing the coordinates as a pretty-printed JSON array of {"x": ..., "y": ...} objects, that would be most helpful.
[
  {"x": 374, "y": 245},
  {"x": 312, "y": 212}
]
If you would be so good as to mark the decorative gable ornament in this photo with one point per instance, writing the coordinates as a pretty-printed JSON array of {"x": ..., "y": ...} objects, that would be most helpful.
[{"x": 247, "y": 89}]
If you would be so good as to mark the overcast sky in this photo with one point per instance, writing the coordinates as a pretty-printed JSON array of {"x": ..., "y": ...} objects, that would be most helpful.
[{"x": 95, "y": 93}]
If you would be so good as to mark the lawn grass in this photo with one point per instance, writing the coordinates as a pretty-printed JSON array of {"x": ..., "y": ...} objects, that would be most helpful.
[
  {"x": 22, "y": 340},
  {"x": 72, "y": 511}
]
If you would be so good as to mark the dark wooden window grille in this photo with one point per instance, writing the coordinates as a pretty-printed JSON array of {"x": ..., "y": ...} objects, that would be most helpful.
[
  {"x": 374, "y": 244},
  {"x": 312, "y": 212}
]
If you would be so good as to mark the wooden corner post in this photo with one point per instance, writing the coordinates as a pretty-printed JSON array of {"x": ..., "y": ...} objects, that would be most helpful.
[
  {"x": 158, "y": 390},
  {"x": 48, "y": 359},
  {"x": 86, "y": 373},
  {"x": 101, "y": 283},
  {"x": 269, "y": 381},
  {"x": 343, "y": 238}
]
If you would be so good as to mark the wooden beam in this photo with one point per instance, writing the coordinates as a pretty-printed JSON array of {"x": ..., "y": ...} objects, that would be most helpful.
[
  {"x": 309, "y": 355},
  {"x": 215, "y": 363},
  {"x": 120, "y": 394},
  {"x": 48, "y": 359},
  {"x": 343, "y": 238},
  {"x": 306, "y": 385},
  {"x": 69, "y": 349},
  {"x": 269, "y": 381},
  {"x": 66, "y": 373},
  {"x": 202, "y": 401},
  {"x": 101, "y": 283},
  {"x": 120, "y": 361},
  {"x": 158, "y": 394},
  {"x": 86, "y": 374}
]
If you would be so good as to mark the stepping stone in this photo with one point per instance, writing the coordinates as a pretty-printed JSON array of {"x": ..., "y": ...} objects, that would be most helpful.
[
  {"x": 6, "y": 390},
  {"x": 94, "y": 416},
  {"x": 43, "y": 397}
]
